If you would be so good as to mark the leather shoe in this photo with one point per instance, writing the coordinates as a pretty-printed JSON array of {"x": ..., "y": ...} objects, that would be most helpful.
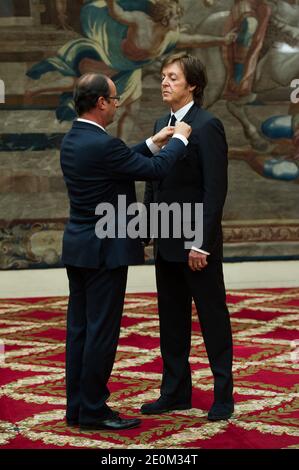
[
  {"x": 113, "y": 423},
  {"x": 75, "y": 421},
  {"x": 71, "y": 422},
  {"x": 163, "y": 406},
  {"x": 221, "y": 411}
]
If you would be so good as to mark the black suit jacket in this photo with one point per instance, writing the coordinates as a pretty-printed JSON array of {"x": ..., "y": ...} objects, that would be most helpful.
[
  {"x": 199, "y": 176},
  {"x": 97, "y": 168}
]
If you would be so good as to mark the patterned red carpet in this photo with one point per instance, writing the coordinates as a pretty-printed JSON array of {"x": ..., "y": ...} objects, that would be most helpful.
[{"x": 266, "y": 349}]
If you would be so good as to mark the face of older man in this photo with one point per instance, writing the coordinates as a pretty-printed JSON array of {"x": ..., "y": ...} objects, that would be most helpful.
[{"x": 176, "y": 92}]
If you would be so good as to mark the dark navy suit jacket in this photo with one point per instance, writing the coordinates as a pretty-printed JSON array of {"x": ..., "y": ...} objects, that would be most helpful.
[
  {"x": 200, "y": 176},
  {"x": 98, "y": 167}
]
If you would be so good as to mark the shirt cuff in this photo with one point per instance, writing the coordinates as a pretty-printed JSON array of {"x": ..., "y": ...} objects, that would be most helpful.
[
  {"x": 152, "y": 147},
  {"x": 200, "y": 251},
  {"x": 182, "y": 138}
]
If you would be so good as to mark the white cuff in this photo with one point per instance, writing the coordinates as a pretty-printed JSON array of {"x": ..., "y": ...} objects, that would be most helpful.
[
  {"x": 182, "y": 138},
  {"x": 152, "y": 146},
  {"x": 200, "y": 251}
]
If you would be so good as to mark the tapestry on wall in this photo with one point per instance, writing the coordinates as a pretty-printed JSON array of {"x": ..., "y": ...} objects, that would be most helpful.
[{"x": 47, "y": 45}]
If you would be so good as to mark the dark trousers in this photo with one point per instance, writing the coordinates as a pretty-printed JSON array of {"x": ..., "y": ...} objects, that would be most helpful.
[
  {"x": 177, "y": 284},
  {"x": 93, "y": 325}
]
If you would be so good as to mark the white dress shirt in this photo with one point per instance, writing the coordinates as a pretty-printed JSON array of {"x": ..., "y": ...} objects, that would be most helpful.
[
  {"x": 179, "y": 116},
  {"x": 180, "y": 113},
  {"x": 91, "y": 122}
]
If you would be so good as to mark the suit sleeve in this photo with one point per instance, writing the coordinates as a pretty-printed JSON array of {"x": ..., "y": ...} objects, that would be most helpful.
[
  {"x": 148, "y": 197},
  {"x": 123, "y": 163},
  {"x": 213, "y": 156},
  {"x": 142, "y": 148}
]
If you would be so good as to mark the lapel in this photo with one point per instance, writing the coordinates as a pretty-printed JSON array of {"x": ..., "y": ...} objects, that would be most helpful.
[
  {"x": 163, "y": 122},
  {"x": 190, "y": 116}
]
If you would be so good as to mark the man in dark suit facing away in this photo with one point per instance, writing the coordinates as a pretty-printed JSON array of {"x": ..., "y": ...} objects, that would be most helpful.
[
  {"x": 97, "y": 168},
  {"x": 185, "y": 274}
]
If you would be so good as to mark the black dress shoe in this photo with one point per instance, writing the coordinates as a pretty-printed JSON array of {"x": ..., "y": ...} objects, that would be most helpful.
[
  {"x": 72, "y": 422},
  {"x": 112, "y": 423},
  {"x": 163, "y": 406},
  {"x": 221, "y": 411}
]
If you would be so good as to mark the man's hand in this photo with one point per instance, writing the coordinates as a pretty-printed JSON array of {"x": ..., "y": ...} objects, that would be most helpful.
[
  {"x": 197, "y": 261},
  {"x": 183, "y": 128},
  {"x": 163, "y": 136}
]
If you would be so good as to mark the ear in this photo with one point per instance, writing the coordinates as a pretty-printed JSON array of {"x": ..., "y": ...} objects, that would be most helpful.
[
  {"x": 101, "y": 103},
  {"x": 192, "y": 88}
]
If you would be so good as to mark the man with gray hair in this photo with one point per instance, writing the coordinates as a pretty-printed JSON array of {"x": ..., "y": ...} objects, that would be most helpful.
[{"x": 97, "y": 168}]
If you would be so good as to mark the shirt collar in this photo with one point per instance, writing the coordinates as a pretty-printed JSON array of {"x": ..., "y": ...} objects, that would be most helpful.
[
  {"x": 180, "y": 113},
  {"x": 91, "y": 122}
]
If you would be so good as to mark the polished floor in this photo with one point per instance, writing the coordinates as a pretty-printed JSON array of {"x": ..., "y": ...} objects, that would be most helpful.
[{"x": 53, "y": 282}]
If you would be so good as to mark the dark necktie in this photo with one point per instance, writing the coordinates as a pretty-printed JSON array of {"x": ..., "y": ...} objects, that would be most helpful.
[{"x": 172, "y": 120}]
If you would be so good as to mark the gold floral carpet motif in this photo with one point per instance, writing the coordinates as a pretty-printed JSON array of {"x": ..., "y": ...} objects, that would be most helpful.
[{"x": 266, "y": 353}]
